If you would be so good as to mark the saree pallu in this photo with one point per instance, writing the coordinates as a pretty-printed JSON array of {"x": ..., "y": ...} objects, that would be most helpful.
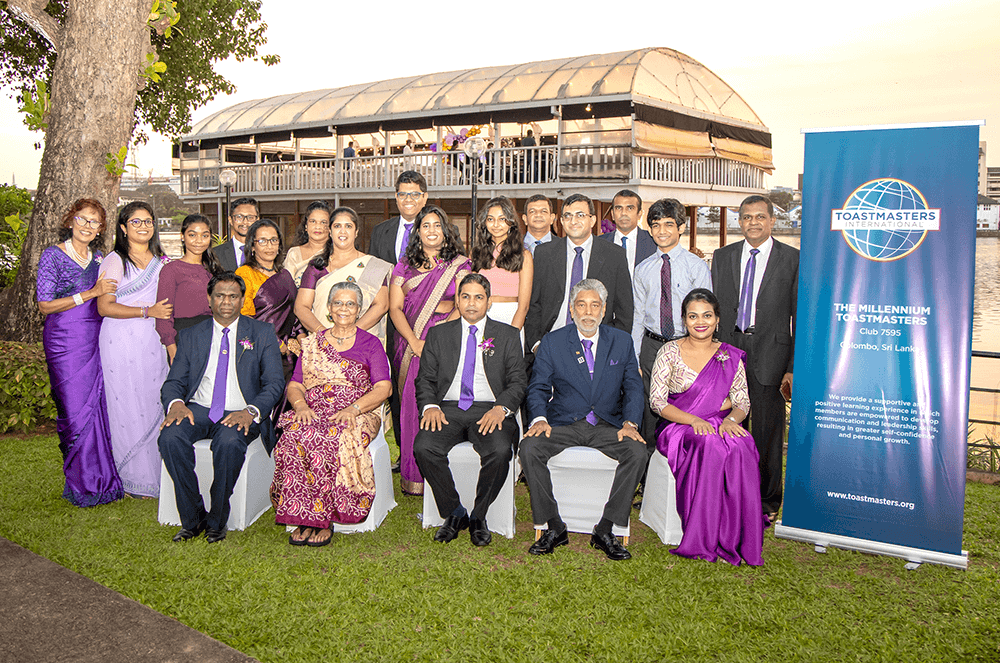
[
  {"x": 422, "y": 291},
  {"x": 718, "y": 478},
  {"x": 368, "y": 273},
  {"x": 323, "y": 470}
]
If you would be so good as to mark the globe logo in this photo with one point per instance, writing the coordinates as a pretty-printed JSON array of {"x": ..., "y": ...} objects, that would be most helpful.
[{"x": 885, "y": 219}]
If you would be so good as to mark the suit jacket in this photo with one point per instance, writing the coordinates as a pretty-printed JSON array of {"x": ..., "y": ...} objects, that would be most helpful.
[
  {"x": 383, "y": 241},
  {"x": 774, "y": 323},
  {"x": 504, "y": 367},
  {"x": 608, "y": 264},
  {"x": 644, "y": 247},
  {"x": 562, "y": 390},
  {"x": 226, "y": 253},
  {"x": 258, "y": 368}
]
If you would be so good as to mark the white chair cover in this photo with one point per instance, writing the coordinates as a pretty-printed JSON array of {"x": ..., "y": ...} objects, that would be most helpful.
[
  {"x": 385, "y": 498},
  {"x": 581, "y": 484},
  {"x": 659, "y": 501}
]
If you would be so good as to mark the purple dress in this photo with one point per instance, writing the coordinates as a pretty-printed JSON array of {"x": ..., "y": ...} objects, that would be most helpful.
[
  {"x": 70, "y": 339},
  {"x": 718, "y": 478},
  {"x": 135, "y": 366}
]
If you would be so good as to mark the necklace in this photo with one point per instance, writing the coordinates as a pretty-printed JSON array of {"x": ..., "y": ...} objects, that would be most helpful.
[
  {"x": 342, "y": 339},
  {"x": 76, "y": 257}
]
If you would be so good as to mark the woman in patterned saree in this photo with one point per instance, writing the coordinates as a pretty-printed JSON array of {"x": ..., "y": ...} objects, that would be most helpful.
[
  {"x": 322, "y": 467},
  {"x": 421, "y": 294}
]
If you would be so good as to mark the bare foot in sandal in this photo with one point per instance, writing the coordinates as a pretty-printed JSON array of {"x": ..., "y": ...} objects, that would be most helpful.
[
  {"x": 319, "y": 537},
  {"x": 300, "y": 536}
]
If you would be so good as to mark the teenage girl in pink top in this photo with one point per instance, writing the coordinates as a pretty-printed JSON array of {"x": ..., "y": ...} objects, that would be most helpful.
[{"x": 500, "y": 256}]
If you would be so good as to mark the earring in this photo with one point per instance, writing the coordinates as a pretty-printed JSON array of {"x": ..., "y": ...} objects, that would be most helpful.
[{"x": 329, "y": 316}]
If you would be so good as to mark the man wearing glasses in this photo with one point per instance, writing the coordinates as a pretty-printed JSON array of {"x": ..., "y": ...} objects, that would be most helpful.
[
  {"x": 243, "y": 212},
  {"x": 564, "y": 262},
  {"x": 626, "y": 210}
]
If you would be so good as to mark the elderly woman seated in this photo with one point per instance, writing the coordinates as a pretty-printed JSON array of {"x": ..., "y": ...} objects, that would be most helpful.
[{"x": 322, "y": 467}]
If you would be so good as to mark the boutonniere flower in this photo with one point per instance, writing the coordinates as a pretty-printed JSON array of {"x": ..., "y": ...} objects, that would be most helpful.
[
  {"x": 98, "y": 258},
  {"x": 723, "y": 357},
  {"x": 487, "y": 347},
  {"x": 164, "y": 259},
  {"x": 246, "y": 343}
]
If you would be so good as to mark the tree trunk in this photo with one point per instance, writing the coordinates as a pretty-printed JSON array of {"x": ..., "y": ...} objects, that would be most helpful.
[{"x": 94, "y": 84}]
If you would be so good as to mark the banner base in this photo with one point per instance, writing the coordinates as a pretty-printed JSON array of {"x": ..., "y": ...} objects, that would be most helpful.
[{"x": 826, "y": 539}]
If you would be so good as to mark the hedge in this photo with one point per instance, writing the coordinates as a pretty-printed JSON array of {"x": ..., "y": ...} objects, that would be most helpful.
[{"x": 25, "y": 396}]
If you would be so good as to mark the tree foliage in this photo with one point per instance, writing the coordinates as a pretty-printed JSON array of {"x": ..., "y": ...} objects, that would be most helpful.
[{"x": 208, "y": 31}]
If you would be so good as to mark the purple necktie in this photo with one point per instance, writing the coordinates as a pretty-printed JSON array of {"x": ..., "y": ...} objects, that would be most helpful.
[
  {"x": 746, "y": 294},
  {"x": 589, "y": 356},
  {"x": 666, "y": 300},
  {"x": 221, "y": 373},
  {"x": 575, "y": 277},
  {"x": 243, "y": 254},
  {"x": 466, "y": 396},
  {"x": 407, "y": 228}
]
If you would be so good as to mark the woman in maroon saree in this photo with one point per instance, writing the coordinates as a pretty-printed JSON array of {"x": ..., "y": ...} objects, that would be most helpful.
[
  {"x": 699, "y": 386},
  {"x": 421, "y": 294}
]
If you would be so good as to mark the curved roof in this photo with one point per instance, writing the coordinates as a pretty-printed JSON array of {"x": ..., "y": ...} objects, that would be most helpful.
[{"x": 656, "y": 76}]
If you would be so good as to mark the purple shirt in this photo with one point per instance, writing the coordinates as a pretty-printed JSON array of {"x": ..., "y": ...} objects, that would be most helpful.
[{"x": 186, "y": 286}]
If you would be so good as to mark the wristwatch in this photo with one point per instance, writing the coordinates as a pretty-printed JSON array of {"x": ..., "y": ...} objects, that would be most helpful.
[
  {"x": 506, "y": 411},
  {"x": 733, "y": 420},
  {"x": 629, "y": 423}
]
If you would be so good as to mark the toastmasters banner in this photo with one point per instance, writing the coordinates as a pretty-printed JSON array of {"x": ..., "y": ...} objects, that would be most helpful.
[{"x": 877, "y": 441}]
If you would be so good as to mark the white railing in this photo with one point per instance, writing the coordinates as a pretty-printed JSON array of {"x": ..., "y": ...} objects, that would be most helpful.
[{"x": 713, "y": 170}]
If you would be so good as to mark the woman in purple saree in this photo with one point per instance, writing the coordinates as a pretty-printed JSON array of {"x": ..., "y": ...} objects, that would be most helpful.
[
  {"x": 421, "y": 294},
  {"x": 67, "y": 292},
  {"x": 699, "y": 386}
]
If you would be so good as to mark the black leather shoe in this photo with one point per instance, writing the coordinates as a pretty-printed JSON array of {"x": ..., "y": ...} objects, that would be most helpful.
[
  {"x": 549, "y": 542},
  {"x": 216, "y": 535},
  {"x": 395, "y": 467},
  {"x": 610, "y": 545},
  {"x": 452, "y": 526},
  {"x": 185, "y": 534},
  {"x": 479, "y": 532}
]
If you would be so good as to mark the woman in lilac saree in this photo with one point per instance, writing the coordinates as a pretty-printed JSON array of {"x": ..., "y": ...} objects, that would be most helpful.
[
  {"x": 67, "y": 292},
  {"x": 699, "y": 386},
  {"x": 421, "y": 294}
]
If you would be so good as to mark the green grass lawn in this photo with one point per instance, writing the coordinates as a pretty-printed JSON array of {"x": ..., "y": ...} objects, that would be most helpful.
[{"x": 394, "y": 594}]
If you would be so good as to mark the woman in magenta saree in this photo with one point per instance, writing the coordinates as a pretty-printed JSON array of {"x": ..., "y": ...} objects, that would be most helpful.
[
  {"x": 67, "y": 292},
  {"x": 699, "y": 386},
  {"x": 421, "y": 294}
]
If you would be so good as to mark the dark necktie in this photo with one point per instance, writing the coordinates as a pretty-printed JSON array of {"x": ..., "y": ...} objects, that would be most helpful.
[
  {"x": 589, "y": 356},
  {"x": 243, "y": 254},
  {"x": 575, "y": 277},
  {"x": 407, "y": 228},
  {"x": 666, "y": 300},
  {"x": 466, "y": 395},
  {"x": 221, "y": 375},
  {"x": 623, "y": 243},
  {"x": 746, "y": 294}
]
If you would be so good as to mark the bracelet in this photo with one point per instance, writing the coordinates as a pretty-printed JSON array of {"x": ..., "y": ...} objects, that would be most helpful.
[
  {"x": 78, "y": 299},
  {"x": 145, "y": 310},
  {"x": 301, "y": 400},
  {"x": 355, "y": 406}
]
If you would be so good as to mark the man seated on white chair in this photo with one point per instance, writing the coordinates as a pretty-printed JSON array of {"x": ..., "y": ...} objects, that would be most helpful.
[
  {"x": 585, "y": 391},
  {"x": 470, "y": 384},
  {"x": 225, "y": 380}
]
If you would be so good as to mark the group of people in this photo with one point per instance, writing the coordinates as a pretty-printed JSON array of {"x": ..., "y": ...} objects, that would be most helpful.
[{"x": 617, "y": 342}]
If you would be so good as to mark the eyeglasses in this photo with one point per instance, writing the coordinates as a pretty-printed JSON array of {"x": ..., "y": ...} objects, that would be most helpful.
[
  {"x": 501, "y": 219},
  {"x": 264, "y": 241},
  {"x": 138, "y": 223},
  {"x": 340, "y": 304},
  {"x": 245, "y": 217},
  {"x": 83, "y": 222},
  {"x": 579, "y": 216},
  {"x": 411, "y": 195}
]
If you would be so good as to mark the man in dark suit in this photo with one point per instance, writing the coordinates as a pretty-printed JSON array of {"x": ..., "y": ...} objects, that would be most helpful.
[
  {"x": 470, "y": 384},
  {"x": 225, "y": 380},
  {"x": 585, "y": 391},
  {"x": 756, "y": 281},
  {"x": 243, "y": 212},
  {"x": 626, "y": 210},
  {"x": 563, "y": 262},
  {"x": 388, "y": 242}
]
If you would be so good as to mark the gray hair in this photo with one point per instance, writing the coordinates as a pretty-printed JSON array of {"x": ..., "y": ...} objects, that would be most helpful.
[
  {"x": 346, "y": 285},
  {"x": 589, "y": 284}
]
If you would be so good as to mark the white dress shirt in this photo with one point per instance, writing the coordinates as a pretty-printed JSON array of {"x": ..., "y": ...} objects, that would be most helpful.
[
  {"x": 238, "y": 249},
  {"x": 587, "y": 246},
  {"x": 531, "y": 242},
  {"x": 481, "y": 390},
  {"x": 630, "y": 246},
  {"x": 758, "y": 274},
  {"x": 234, "y": 397}
]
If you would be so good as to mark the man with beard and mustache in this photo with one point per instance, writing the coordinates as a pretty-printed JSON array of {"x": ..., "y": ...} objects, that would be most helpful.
[{"x": 585, "y": 391}]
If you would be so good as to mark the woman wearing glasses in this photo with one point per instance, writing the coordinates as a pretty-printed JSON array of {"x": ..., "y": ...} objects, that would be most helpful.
[
  {"x": 270, "y": 294},
  {"x": 67, "y": 290},
  {"x": 311, "y": 238},
  {"x": 184, "y": 282},
  {"x": 135, "y": 364},
  {"x": 499, "y": 254}
]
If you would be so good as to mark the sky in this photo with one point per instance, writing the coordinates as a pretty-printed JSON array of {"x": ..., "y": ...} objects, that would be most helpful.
[{"x": 838, "y": 64}]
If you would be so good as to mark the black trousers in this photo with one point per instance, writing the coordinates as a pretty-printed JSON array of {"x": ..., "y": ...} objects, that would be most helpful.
[
  {"x": 430, "y": 449},
  {"x": 647, "y": 356},
  {"x": 767, "y": 425},
  {"x": 229, "y": 449},
  {"x": 535, "y": 453}
]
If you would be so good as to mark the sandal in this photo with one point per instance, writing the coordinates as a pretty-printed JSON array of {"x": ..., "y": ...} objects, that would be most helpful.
[
  {"x": 319, "y": 544},
  {"x": 304, "y": 532}
]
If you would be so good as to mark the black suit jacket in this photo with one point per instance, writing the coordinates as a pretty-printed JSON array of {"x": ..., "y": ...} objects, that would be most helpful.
[
  {"x": 608, "y": 264},
  {"x": 504, "y": 367},
  {"x": 258, "y": 368},
  {"x": 645, "y": 246},
  {"x": 226, "y": 253},
  {"x": 383, "y": 241},
  {"x": 774, "y": 322}
]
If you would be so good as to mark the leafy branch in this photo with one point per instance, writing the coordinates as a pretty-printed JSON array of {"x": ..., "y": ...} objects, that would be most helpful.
[
  {"x": 35, "y": 105},
  {"x": 115, "y": 163},
  {"x": 163, "y": 17}
]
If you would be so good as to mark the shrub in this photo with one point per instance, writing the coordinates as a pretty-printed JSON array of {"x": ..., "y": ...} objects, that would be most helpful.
[{"x": 25, "y": 395}]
